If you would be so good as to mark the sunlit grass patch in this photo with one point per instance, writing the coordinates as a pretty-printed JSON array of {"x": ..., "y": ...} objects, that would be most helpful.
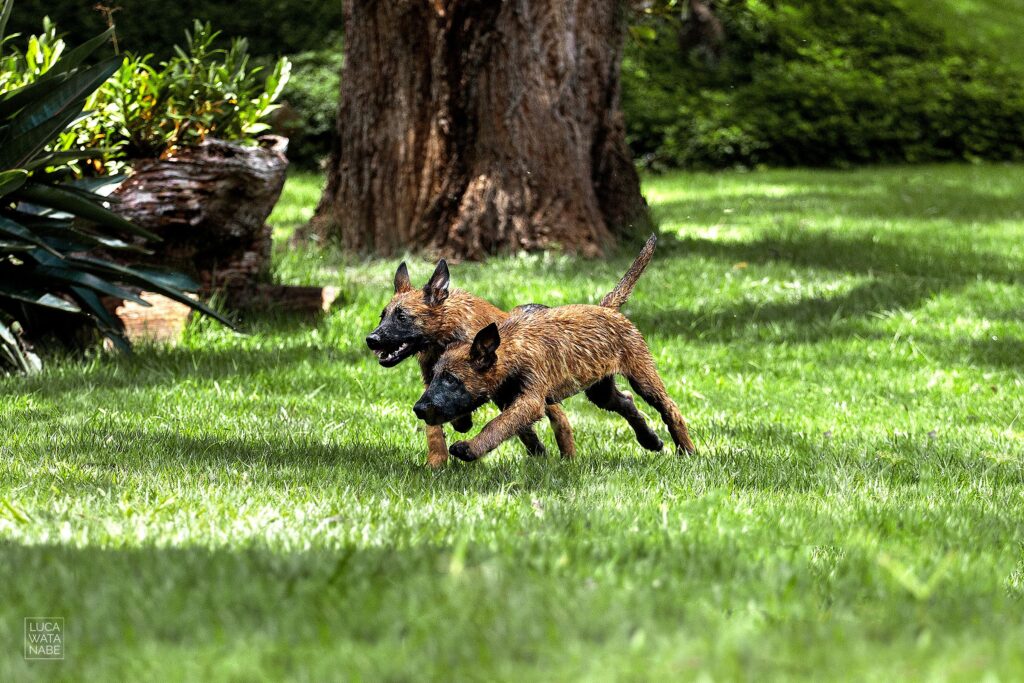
[{"x": 846, "y": 345}]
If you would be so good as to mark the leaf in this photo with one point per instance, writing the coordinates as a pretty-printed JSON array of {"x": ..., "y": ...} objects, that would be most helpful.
[
  {"x": 12, "y": 180},
  {"x": 109, "y": 324},
  {"x": 12, "y": 351},
  {"x": 12, "y": 229},
  {"x": 74, "y": 57},
  {"x": 44, "y": 117},
  {"x": 61, "y": 158},
  {"x": 65, "y": 239},
  {"x": 60, "y": 72},
  {"x": 5, "y": 14},
  {"x": 149, "y": 282},
  {"x": 74, "y": 203},
  {"x": 170, "y": 279},
  {"x": 102, "y": 185},
  {"x": 84, "y": 279},
  {"x": 38, "y": 297}
]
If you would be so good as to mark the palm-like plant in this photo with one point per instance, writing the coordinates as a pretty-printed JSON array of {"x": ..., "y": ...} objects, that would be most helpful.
[{"x": 54, "y": 235}]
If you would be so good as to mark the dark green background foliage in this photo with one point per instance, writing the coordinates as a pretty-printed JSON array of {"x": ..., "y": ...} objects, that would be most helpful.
[
  {"x": 308, "y": 32},
  {"x": 820, "y": 82},
  {"x": 311, "y": 104},
  {"x": 273, "y": 27}
]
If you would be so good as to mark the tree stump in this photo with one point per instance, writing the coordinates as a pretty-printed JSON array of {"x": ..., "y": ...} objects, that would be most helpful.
[{"x": 209, "y": 204}]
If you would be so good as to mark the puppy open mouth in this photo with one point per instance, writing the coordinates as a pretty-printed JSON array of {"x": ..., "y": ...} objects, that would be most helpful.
[{"x": 394, "y": 356}]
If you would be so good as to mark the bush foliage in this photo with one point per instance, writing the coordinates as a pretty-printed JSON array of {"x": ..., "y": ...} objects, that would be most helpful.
[
  {"x": 273, "y": 27},
  {"x": 56, "y": 237},
  {"x": 148, "y": 110},
  {"x": 311, "y": 104},
  {"x": 818, "y": 82}
]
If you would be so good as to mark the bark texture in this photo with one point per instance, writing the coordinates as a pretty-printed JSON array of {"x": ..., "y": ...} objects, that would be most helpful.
[
  {"x": 471, "y": 127},
  {"x": 209, "y": 204}
]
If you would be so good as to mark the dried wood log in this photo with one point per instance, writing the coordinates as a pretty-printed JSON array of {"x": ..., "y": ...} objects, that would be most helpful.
[
  {"x": 291, "y": 299},
  {"x": 163, "y": 320},
  {"x": 209, "y": 204}
]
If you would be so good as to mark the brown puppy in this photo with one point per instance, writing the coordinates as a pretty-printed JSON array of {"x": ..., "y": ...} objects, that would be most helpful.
[
  {"x": 423, "y": 322},
  {"x": 531, "y": 360}
]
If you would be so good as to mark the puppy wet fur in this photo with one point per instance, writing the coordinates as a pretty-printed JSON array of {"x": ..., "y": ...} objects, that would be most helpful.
[
  {"x": 422, "y": 322},
  {"x": 529, "y": 361}
]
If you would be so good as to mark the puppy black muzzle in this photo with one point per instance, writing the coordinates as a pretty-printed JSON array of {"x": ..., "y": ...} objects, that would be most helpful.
[
  {"x": 391, "y": 351},
  {"x": 428, "y": 412}
]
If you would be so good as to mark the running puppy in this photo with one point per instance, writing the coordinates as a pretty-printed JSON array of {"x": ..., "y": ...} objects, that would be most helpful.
[
  {"x": 423, "y": 322},
  {"x": 529, "y": 361}
]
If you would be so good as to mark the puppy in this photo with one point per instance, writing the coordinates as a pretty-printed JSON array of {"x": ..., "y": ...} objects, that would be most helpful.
[
  {"x": 423, "y": 322},
  {"x": 532, "y": 360}
]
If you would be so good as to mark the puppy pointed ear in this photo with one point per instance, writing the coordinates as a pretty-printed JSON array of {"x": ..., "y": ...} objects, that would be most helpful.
[
  {"x": 484, "y": 352},
  {"x": 402, "y": 282},
  {"x": 436, "y": 289}
]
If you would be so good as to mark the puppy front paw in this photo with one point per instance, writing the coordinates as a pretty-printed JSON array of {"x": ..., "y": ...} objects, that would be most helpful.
[
  {"x": 463, "y": 424},
  {"x": 461, "y": 450}
]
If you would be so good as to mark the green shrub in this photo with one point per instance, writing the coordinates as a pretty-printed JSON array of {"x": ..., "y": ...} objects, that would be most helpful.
[
  {"x": 819, "y": 82},
  {"x": 273, "y": 27},
  {"x": 147, "y": 110},
  {"x": 310, "y": 105},
  {"x": 50, "y": 230}
]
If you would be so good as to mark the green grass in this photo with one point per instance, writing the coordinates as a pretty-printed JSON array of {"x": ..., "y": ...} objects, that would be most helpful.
[{"x": 846, "y": 345}]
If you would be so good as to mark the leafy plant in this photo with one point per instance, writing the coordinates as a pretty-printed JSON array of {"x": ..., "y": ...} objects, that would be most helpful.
[
  {"x": 311, "y": 104},
  {"x": 273, "y": 27},
  {"x": 150, "y": 111},
  {"x": 55, "y": 236},
  {"x": 147, "y": 110},
  {"x": 817, "y": 82}
]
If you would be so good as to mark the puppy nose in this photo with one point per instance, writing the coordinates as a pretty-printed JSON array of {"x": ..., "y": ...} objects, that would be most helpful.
[
  {"x": 372, "y": 340},
  {"x": 421, "y": 410}
]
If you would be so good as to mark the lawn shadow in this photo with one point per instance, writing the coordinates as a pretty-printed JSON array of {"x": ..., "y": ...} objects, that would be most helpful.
[
  {"x": 323, "y": 467},
  {"x": 961, "y": 202},
  {"x": 856, "y": 255},
  {"x": 902, "y": 277},
  {"x": 167, "y": 365},
  {"x": 804, "y": 320},
  {"x": 319, "y": 463}
]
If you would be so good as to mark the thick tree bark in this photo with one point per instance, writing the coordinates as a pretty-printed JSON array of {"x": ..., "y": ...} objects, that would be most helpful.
[
  {"x": 209, "y": 204},
  {"x": 471, "y": 127}
]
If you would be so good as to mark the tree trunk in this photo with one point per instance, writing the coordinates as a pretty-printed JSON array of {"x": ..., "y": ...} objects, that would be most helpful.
[{"x": 471, "y": 127}]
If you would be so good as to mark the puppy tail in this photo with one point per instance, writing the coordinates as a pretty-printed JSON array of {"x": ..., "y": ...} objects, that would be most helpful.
[{"x": 618, "y": 296}]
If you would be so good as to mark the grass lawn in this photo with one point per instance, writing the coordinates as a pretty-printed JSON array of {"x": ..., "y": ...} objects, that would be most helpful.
[{"x": 847, "y": 347}]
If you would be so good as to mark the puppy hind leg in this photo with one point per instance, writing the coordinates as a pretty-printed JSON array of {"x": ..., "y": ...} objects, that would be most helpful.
[
  {"x": 562, "y": 429},
  {"x": 644, "y": 379},
  {"x": 604, "y": 394}
]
